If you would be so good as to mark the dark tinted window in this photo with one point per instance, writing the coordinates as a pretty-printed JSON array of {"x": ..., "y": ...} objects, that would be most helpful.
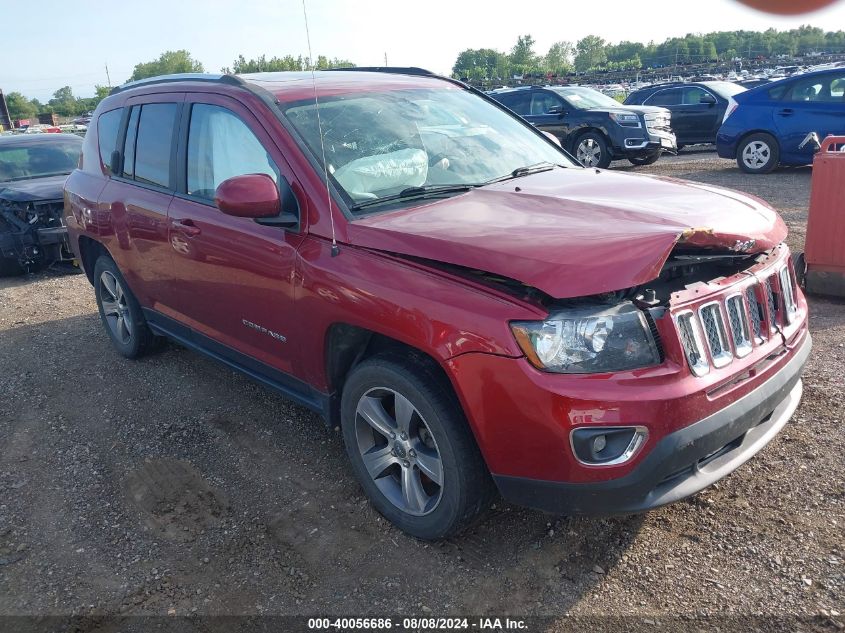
[
  {"x": 519, "y": 102},
  {"x": 694, "y": 95},
  {"x": 542, "y": 102},
  {"x": 777, "y": 92},
  {"x": 221, "y": 146},
  {"x": 129, "y": 145},
  {"x": 153, "y": 145},
  {"x": 669, "y": 97},
  {"x": 817, "y": 88},
  {"x": 108, "y": 126}
]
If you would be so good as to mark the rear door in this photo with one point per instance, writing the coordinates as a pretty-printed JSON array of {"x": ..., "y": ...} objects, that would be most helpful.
[
  {"x": 810, "y": 104},
  {"x": 234, "y": 277},
  {"x": 138, "y": 196}
]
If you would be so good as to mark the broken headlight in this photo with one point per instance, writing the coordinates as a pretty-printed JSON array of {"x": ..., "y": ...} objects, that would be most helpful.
[{"x": 589, "y": 339}]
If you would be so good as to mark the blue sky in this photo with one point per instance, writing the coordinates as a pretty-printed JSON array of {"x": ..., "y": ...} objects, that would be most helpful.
[{"x": 72, "y": 43}]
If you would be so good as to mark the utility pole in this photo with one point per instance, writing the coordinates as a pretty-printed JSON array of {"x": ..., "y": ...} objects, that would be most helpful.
[
  {"x": 108, "y": 79},
  {"x": 385, "y": 58}
]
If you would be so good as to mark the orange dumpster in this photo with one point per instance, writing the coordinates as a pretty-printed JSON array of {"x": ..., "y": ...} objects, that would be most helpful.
[{"x": 824, "y": 251}]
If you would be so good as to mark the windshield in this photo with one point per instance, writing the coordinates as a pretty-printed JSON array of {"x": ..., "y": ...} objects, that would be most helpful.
[
  {"x": 380, "y": 144},
  {"x": 586, "y": 98},
  {"x": 38, "y": 160},
  {"x": 725, "y": 88}
]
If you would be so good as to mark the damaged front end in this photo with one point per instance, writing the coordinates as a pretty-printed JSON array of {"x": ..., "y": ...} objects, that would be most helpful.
[{"x": 32, "y": 235}]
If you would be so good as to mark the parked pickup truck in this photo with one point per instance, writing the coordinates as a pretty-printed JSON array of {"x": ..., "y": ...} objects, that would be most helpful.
[{"x": 478, "y": 313}]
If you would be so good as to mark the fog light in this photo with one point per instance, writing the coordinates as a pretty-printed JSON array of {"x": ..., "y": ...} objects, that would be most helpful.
[{"x": 607, "y": 446}]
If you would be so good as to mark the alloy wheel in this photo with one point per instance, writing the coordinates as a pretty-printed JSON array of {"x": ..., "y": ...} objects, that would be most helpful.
[
  {"x": 756, "y": 154},
  {"x": 588, "y": 152},
  {"x": 115, "y": 307},
  {"x": 399, "y": 451}
]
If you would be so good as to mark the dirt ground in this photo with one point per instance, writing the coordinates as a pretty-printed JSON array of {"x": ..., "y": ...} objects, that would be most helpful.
[{"x": 171, "y": 485}]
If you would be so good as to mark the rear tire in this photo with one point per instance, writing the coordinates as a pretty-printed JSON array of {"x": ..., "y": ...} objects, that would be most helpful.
[
  {"x": 758, "y": 154},
  {"x": 120, "y": 311},
  {"x": 642, "y": 161},
  {"x": 411, "y": 448},
  {"x": 10, "y": 267},
  {"x": 590, "y": 149}
]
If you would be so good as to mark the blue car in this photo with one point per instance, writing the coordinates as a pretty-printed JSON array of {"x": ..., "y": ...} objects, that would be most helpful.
[{"x": 768, "y": 126}]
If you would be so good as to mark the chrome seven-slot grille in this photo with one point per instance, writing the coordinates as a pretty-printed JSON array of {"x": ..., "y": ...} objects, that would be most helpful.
[
  {"x": 730, "y": 327},
  {"x": 658, "y": 121}
]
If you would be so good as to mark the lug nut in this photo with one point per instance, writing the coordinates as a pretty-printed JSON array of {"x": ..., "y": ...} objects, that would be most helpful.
[
  {"x": 406, "y": 463},
  {"x": 403, "y": 436},
  {"x": 392, "y": 435},
  {"x": 412, "y": 453}
]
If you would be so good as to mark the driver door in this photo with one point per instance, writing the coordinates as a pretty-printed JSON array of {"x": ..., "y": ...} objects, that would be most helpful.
[{"x": 234, "y": 277}]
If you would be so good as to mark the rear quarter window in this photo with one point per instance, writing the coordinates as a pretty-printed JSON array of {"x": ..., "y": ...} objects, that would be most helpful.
[{"x": 108, "y": 126}]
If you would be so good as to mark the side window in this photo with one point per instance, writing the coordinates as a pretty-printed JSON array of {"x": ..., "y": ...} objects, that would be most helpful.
[
  {"x": 692, "y": 96},
  {"x": 810, "y": 89},
  {"x": 221, "y": 146},
  {"x": 777, "y": 93},
  {"x": 154, "y": 143},
  {"x": 837, "y": 88},
  {"x": 669, "y": 97},
  {"x": 108, "y": 125},
  {"x": 542, "y": 102},
  {"x": 129, "y": 144},
  {"x": 519, "y": 102}
]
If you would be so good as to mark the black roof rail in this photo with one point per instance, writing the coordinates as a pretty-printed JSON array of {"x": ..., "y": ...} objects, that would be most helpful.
[
  {"x": 163, "y": 79},
  {"x": 395, "y": 70}
]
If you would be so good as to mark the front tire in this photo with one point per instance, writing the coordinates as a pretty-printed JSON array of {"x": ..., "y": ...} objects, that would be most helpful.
[
  {"x": 642, "y": 161},
  {"x": 120, "y": 311},
  {"x": 411, "y": 448},
  {"x": 591, "y": 150},
  {"x": 758, "y": 154}
]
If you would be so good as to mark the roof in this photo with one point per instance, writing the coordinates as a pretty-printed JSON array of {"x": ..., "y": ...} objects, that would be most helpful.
[{"x": 296, "y": 85}]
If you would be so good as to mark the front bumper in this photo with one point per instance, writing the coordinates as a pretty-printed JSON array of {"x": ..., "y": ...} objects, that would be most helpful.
[
  {"x": 681, "y": 463},
  {"x": 643, "y": 143}
]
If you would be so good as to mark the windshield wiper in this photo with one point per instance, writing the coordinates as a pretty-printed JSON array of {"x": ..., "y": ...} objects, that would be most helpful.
[
  {"x": 414, "y": 192},
  {"x": 519, "y": 172}
]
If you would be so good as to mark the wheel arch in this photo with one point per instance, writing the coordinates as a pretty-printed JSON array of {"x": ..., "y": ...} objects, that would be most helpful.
[
  {"x": 89, "y": 251},
  {"x": 347, "y": 346}
]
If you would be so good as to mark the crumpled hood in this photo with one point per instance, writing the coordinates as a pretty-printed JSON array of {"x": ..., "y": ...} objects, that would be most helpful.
[
  {"x": 574, "y": 232},
  {"x": 49, "y": 188}
]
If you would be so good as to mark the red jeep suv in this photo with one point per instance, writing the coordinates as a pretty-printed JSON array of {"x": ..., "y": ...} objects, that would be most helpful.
[{"x": 476, "y": 311}]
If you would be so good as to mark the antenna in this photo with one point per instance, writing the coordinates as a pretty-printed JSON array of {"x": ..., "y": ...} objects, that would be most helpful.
[{"x": 335, "y": 249}]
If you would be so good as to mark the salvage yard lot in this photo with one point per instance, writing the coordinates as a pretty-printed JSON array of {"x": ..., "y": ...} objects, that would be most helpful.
[{"x": 174, "y": 485}]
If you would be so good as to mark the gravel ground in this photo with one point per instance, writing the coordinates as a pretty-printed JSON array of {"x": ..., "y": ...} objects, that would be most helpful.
[{"x": 171, "y": 485}]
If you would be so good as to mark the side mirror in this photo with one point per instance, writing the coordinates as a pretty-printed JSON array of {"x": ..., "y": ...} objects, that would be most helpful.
[
  {"x": 555, "y": 110},
  {"x": 708, "y": 99},
  {"x": 248, "y": 196}
]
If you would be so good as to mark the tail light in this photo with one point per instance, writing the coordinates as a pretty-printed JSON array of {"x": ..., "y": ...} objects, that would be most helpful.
[{"x": 732, "y": 106}]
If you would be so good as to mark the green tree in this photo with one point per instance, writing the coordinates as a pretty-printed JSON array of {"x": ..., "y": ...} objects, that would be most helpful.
[
  {"x": 20, "y": 107},
  {"x": 590, "y": 53},
  {"x": 522, "y": 55},
  {"x": 63, "y": 102},
  {"x": 559, "y": 57},
  {"x": 482, "y": 63},
  {"x": 288, "y": 62},
  {"x": 168, "y": 63}
]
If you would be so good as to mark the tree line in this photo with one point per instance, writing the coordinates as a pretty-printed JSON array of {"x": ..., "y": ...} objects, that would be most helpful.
[
  {"x": 593, "y": 53},
  {"x": 65, "y": 103}
]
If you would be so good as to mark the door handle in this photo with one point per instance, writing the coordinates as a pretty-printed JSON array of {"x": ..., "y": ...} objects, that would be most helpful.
[
  {"x": 786, "y": 112},
  {"x": 187, "y": 227}
]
